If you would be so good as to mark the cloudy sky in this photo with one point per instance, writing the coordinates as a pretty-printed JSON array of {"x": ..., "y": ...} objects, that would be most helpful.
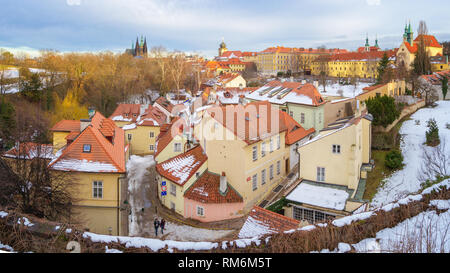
[{"x": 199, "y": 25}]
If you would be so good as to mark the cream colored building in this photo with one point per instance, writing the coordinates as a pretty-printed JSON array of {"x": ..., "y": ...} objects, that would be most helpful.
[{"x": 333, "y": 169}]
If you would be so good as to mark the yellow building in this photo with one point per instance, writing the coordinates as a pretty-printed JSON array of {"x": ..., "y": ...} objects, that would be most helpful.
[
  {"x": 95, "y": 158},
  {"x": 141, "y": 124},
  {"x": 333, "y": 169},
  {"x": 177, "y": 174},
  {"x": 352, "y": 64},
  {"x": 391, "y": 89},
  {"x": 408, "y": 50},
  {"x": 255, "y": 161},
  {"x": 283, "y": 59}
]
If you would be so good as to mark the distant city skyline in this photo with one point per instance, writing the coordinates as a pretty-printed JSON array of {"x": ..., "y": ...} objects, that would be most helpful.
[{"x": 197, "y": 26}]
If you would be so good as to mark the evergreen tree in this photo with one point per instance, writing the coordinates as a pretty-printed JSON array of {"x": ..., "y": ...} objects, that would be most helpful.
[
  {"x": 383, "y": 109},
  {"x": 432, "y": 135},
  {"x": 444, "y": 86},
  {"x": 31, "y": 89},
  {"x": 7, "y": 122},
  {"x": 382, "y": 66}
]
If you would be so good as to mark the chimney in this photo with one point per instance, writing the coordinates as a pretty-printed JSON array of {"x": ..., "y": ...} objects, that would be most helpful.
[
  {"x": 84, "y": 123},
  {"x": 316, "y": 84},
  {"x": 223, "y": 184}
]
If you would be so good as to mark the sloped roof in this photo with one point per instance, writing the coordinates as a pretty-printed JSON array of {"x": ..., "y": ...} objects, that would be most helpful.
[
  {"x": 179, "y": 169},
  {"x": 261, "y": 222},
  {"x": 126, "y": 112},
  {"x": 360, "y": 56},
  {"x": 374, "y": 87},
  {"x": 293, "y": 92},
  {"x": 168, "y": 132},
  {"x": 30, "y": 150},
  {"x": 164, "y": 103},
  {"x": 250, "y": 123},
  {"x": 66, "y": 126},
  {"x": 206, "y": 190},
  {"x": 430, "y": 40},
  {"x": 105, "y": 156},
  {"x": 152, "y": 117},
  {"x": 295, "y": 131}
]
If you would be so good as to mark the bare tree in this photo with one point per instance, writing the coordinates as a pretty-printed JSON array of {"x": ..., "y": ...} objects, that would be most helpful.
[
  {"x": 160, "y": 56},
  {"x": 323, "y": 68},
  {"x": 436, "y": 162},
  {"x": 426, "y": 90},
  {"x": 177, "y": 68}
]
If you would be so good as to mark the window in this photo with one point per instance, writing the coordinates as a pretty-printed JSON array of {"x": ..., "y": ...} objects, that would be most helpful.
[
  {"x": 200, "y": 211},
  {"x": 312, "y": 216},
  {"x": 255, "y": 153},
  {"x": 320, "y": 117},
  {"x": 152, "y": 134},
  {"x": 271, "y": 172},
  {"x": 320, "y": 174},
  {"x": 197, "y": 174},
  {"x": 129, "y": 137},
  {"x": 86, "y": 148},
  {"x": 172, "y": 205},
  {"x": 177, "y": 147},
  {"x": 278, "y": 142},
  {"x": 302, "y": 118},
  {"x": 336, "y": 149},
  {"x": 97, "y": 189},
  {"x": 263, "y": 177},
  {"x": 291, "y": 113},
  {"x": 255, "y": 182},
  {"x": 278, "y": 167},
  {"x": 173, "y": 189},
  {"x": 271, "y": 145},
  {"x": 152, "y": 147}
]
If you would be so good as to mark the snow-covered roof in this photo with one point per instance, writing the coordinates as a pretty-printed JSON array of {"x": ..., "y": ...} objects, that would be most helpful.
[{"x": 319, "y": 195}]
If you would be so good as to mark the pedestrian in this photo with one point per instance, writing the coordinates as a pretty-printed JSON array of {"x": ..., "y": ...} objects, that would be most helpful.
[
  {"x": 162, "y": 225},
  {"x": 156, "y": 224}
]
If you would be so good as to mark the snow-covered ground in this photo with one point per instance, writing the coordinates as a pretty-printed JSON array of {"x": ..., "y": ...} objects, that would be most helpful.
[
  {"x": 348, "y": 91},
  {"x": 407, "y": 180},
  {"x": 137, "y": 170},
  {"x": 424, "y": 233}
]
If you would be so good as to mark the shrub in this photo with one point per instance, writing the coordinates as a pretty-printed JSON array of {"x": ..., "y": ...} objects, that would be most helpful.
[
  {"x": 432, "y": 134},
  {"x": 393, "y": 160},
  {"x": 383, "y": 109}
]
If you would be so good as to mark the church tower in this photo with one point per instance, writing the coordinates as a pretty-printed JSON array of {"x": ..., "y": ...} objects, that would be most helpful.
[
  {"x": 367, "y": 46},
  {"x": 222, "y": 48},
  {"x": 140, "y": 49}
]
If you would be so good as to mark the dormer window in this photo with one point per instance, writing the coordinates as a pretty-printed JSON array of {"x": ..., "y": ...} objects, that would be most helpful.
[{"x": 86, "y": 148}]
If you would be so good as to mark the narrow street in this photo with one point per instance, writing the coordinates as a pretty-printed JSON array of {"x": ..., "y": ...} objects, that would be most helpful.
[{"x": 145, "y": 206}]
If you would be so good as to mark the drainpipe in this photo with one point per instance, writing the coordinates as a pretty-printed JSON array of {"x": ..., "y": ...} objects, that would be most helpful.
[{"x": 298, "y": 153}]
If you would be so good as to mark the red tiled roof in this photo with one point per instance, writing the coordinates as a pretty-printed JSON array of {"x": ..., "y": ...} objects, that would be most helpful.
[
  {"x": 227, "y": 54},
  {"x": 102, "y": 150},
  {"x": 30, "y": 150},
  {"x": 274, "y": 221},
  {"x": 66, "y": 126},
  {"x": 128, "y": 111},
  {"x": 249, "y": 127},
  {"x": 350, "y": 56},
  {"x": 295, "y": 131},
  {"x": 179, "y": 169},
  {"x": 430, "y": 40},
  {"x": 168, "y": 132},
  {"x": 152, "y": 113},
  {"x": 307, "y": 89},
  {"x": 373, "y": 87},
  {"x": 206, "y": 190},
  {"x": 164, "y": 103}
]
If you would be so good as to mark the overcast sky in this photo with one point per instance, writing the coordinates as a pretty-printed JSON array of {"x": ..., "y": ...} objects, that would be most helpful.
[{"x": 199, "y": 25}]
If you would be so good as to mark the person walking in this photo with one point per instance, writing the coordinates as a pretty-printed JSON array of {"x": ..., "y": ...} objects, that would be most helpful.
[
  {"x": 156, "y": 224},
  {"x": 162, "y": 225}
]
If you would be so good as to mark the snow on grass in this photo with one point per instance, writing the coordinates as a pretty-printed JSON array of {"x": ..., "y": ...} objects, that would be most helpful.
[
  {"x": 406, "y": 181},
  {"x": 25, "y": 222},
  {"x": 3, "y": 214},
  {"x": 153, "y": 244},
  {"x": 5, "y": 247},
  {"x": 137, "y": 171},
  {"x": 188, "y": 233},
  {"x": 348, "y": 91},
  {"x": 440, "y": 204},
  {"x": 352, "y": 218},
  {"x": 112, "y": 250},
  {"x": 426, "y": 232}
]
